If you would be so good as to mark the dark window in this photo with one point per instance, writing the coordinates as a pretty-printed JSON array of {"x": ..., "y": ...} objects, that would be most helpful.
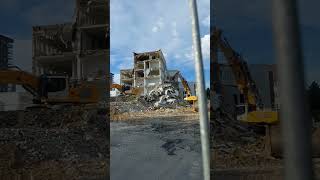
[
  {"x": 235, "y": 97},
  {"x": 241, "y": 99}
]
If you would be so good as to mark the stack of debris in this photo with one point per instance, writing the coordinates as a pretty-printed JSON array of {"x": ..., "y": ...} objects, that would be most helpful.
[
  {"x": 237, "y": 143},
  {"x": 65, "y": 140},
  {"x": 163, "y": 95}
]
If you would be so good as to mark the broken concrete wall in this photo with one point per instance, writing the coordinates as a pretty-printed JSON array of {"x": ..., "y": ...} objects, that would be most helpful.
[
  {"x": 149, "y": 70},
  {"x": 78, "y": 49},
  {"x": 92, "y": 12},
  {"x": 52, "y": 49},
  {"x": 126, "y": 77},
  {"x": 94, "y": 66}
]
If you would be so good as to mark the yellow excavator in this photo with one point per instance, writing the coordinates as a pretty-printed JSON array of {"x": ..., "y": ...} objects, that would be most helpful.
[
  {"x": 51, "y": 89},
  {"x": 252, "y": 111},
  {"x": 189, "y": 97}
]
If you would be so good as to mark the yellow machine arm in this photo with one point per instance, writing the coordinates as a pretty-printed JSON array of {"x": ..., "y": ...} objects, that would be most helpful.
[
  {"x": 240, "y": 69},
  {"x": 83, "y": 93},
  {"x": 117, "y": 86},
  {"x": 184, "y": 83},
  {"x": 27, "y": 80}
]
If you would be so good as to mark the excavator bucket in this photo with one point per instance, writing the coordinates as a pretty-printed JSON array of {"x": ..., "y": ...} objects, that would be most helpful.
[{"x": 274, "y": 141}]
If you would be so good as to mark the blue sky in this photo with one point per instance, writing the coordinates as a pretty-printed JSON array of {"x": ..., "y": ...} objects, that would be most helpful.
[
  {"x": 247, "y": 25},
  {"x": 144, "y": 25},
  {"x": 18, "y": 16}
]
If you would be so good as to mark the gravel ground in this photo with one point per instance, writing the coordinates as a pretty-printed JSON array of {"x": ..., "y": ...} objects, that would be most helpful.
[{"x": 63, "y": 143}]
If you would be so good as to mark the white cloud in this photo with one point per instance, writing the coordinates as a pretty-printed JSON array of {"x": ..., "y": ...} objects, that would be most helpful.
[
  {"x": 155, "y": 29},
  {"x": 206, "y": 21},
  {"x": 174, "y": 30},
  {"x": 158, "y": 26},
  {"x": 205, "y": 46},
  {"x": 116, "y": 78}
]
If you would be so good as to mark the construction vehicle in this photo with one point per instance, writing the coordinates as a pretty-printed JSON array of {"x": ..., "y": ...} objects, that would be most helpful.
[
  {"x": 119, "y": 87},
  {"x": 51, "y": 89},
  {"x": 189, "y": 97},
  {"x": 252, "y": 111},
  {"x": 126, "y": 90}
]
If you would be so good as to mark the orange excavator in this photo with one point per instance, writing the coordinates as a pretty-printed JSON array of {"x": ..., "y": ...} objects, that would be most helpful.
[
  {"x": 126, "y": 90},
  {"x": 51, "y": 89}
]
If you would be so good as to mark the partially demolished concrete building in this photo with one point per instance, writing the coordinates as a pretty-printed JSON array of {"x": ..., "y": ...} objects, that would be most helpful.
[
  {"x": 78, "y": 49},
  {"x": 149, "y": 70}
]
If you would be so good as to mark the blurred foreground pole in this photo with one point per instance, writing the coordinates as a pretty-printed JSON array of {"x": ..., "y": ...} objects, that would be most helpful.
[
  {"x": 202, "y": 97},
  {"x": 295, "y": 118}
]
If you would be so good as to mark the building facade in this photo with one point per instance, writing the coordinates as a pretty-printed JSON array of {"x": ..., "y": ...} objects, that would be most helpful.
[
  {"x": 78, "y": 49},
  {"x": 6, "y": 55},
  {"x": 149, "y": 71}
]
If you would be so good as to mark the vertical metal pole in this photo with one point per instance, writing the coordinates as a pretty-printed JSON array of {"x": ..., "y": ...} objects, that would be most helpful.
[
  {"x": 202, "y": 98},
  {"x": 295, "y": 119}
]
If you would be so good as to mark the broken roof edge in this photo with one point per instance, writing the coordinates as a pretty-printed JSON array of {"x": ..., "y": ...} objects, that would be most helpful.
[
  {"x": 126, "y": 70},
  {"x": 6, "y": 38},
  {"x": 147, "y": 52},
  {"x": 52, "y": 25}
]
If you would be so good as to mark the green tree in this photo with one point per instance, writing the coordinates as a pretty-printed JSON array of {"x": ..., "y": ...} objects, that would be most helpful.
[{"x": 314, "y": 96}]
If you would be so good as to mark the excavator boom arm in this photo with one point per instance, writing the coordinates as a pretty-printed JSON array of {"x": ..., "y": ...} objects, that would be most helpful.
[
  {"x": 184, "y": 83},
  {"x": 239, "y": 68},
  {"x": 27, "y": 80}
]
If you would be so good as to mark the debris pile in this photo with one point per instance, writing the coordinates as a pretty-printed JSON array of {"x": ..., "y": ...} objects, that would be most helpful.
[
  {"x": 163, "y": 95},
  {"x": 236, "y": 145},
  {"x": 66, "y": 140},
  {"x": 125, "y": 106}
]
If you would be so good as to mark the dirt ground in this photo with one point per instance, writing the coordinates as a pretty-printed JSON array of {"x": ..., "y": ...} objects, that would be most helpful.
[
  {"x": 57, "y": 143},
  {"x": 238, "y": 152},
  {"x": 155, "y": 144}
]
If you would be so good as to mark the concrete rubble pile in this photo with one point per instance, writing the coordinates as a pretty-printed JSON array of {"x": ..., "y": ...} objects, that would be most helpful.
[
  {"x": 127, "y": 104},
  {"x": 163, "y": 95},
  {"x": 64, "y": 142},
  {"x": 236, "y": 145}
]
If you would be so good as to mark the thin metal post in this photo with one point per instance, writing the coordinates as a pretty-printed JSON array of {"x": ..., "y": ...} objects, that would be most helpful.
[
  {"x": 295, "y": 118},
  {"x": 202, "y": 98}
]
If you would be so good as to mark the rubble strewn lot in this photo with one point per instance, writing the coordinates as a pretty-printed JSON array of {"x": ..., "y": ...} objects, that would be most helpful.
[
  {"x": 58, "y": 143},
  {"x": 238, "y": 145},
  {"x": 238, "y": 152},
  {"x": 164, "y": 141}
]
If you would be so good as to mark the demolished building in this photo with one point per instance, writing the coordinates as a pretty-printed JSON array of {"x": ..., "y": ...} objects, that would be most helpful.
[
  {"x": 78, "y": 49},
  {"x": 150, "y": 71}
]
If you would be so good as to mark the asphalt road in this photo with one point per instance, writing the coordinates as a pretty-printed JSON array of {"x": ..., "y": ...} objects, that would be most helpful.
[{"x": 155, "y": 151}]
